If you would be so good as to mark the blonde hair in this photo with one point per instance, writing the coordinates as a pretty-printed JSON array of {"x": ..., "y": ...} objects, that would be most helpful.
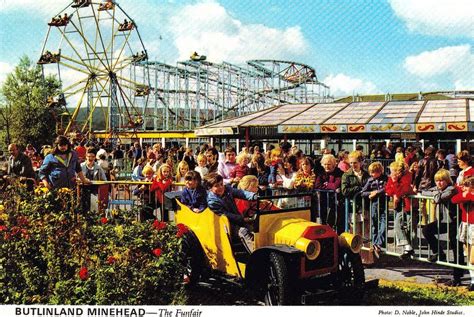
[
  {"x": 247, "y": 181},
  {"x": 147, "y": 169},
  {"x": 443, "y": 175},
  {"x": 397, "y": 166},
  {"x": 242, "y": 156},
  {"x": 356, "y": 155},
  {"x": 375, "y": 167},
  {"x": 201, "y": 157},
  {"x": 159, "y": 172},
  {"x": 178, "y": 170},
  {"x": 328, "y": 158}
]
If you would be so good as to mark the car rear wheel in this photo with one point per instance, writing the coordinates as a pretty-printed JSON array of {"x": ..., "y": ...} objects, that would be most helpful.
[{"x": 276, "y": 284}]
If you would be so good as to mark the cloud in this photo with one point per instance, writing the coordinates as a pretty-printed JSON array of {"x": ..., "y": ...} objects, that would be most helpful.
[
  {"x": 209, "y": 29},
  {"x": 44, "y": 8},
  {"x": 440, "y": 17},
  {"x": 343, "y": 85},
  {"x": 5, "y": 69},
  {"x": 453, "y": 62}
]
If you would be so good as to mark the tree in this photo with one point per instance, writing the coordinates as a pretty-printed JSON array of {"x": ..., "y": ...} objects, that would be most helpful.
[{"x": 24, "y": 111}]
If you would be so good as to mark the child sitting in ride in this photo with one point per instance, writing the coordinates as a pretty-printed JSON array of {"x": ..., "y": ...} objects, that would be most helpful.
[
  {"x": 220, "y": 200},
  {"x": 241, "y": 169},
  {"x": 248, "y": 208},
  {"x": 194, "y": 195}
]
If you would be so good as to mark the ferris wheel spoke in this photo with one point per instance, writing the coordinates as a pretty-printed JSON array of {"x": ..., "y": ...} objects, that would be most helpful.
[
  {"x": 68, "y": 88},
  {"x": 121, "y": 49},
  {"x": 76, "y": 66},
  {"x": 129, "y": 81},
  {"x": 86, "y": 43},
  {"x": 76, "y": 51},
  {"x": 99, "y": 38},
  {"x": 127, "y": 61},
  {"x": 82, "y": 32},
  {"x": 78, "y": 107},
  {"x": 94, "y": 105}
]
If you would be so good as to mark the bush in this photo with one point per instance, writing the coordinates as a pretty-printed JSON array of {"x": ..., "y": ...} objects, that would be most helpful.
[{"x": 50, "y": 253}]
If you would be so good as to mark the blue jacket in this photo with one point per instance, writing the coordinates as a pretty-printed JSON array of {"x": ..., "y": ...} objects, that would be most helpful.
[
  {"x": 375, "y": 184},
  {"x": 60, "y": 174},
  {"x": 225, "y": 204},
  {"x": 195, "y": 198}
]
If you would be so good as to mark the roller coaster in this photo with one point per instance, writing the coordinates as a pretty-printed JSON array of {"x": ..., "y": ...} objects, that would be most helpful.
[{"x": 108, "y": 82}]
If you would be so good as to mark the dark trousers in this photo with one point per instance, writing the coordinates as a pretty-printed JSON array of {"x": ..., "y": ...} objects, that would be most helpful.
[{"x": 434, "y": 228}]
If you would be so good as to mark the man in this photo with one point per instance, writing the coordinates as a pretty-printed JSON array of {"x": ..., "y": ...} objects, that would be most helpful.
[
  {"x": 228, "y": 165},
  {"x": 19, "y": 165}
]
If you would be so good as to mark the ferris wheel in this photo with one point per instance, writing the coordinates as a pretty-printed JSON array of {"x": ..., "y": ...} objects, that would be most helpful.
[{"x": 92, "y": 47}]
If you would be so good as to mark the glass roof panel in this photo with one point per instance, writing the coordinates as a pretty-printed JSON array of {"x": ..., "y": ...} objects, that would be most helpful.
[
  {"x": 278, "y": 116},
  {"x": 316, "y": 114},
  {"x": 356, "y": 112},
  {"x": 398, "y": 112},
  {"x": 239, "y": 120},
  {"x": 444, "y": 111}
]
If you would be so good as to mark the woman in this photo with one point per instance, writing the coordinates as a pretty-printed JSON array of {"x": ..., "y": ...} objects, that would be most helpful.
[
  {"x": 464, "y": 163},
  {"x": 189, "y": 158},
  {"x": 61, "y": 167},
  {"x": 343, "y": 157}
]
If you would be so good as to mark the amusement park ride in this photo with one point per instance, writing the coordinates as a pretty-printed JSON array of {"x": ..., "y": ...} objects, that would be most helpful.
[{"x": 108, "y": 82}]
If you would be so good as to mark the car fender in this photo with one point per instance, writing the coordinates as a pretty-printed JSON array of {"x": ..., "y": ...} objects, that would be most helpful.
[{"x": 258, "y": 261}]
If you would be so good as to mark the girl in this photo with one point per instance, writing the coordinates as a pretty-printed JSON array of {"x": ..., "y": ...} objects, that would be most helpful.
[
  {"x": 241, "y": 169},
  {"x": 181, "y": 170},
  {"x": 161, "y": 184},
  {"x": 399, "y": 187},
  {"x": 305, "y": 177},
  {"x": 465, "y": 199},
  {"x": 202, "y": 165},
  {"x": 194, "y": 195},
  {"x": 148, "y": 201}
]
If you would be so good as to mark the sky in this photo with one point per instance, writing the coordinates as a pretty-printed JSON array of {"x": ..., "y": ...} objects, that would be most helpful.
[{"x": 355, "y": 46}]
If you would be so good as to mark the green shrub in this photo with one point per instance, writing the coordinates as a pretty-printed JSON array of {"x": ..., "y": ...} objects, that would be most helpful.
[{"x": 51, "y": 253}]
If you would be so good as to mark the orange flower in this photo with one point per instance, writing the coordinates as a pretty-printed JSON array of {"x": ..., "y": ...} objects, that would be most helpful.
[
  {"x": 104, "y": 220},
  {"x": 182, "y": 229},
  {"x": 111, "y": 259},
  {"x": 158, "y": 225}
]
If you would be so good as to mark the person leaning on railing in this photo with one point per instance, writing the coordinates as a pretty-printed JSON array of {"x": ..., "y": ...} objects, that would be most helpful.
[
  {"x": 399, "y": 187},
  {"x": 442, "y": 194},
  {"x": 465, "y": 199}
]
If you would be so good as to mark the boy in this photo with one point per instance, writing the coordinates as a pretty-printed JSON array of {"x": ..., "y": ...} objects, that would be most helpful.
[
  {"x": 220, "y": 200},
  {"x": 374, "y": 190}
]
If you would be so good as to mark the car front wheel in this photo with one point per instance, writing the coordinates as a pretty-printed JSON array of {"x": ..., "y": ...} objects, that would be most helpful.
[{"x": 276, "y": 284}]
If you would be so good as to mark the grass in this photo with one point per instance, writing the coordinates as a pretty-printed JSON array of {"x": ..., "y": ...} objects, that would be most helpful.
[{"x": 391, "y": 293}]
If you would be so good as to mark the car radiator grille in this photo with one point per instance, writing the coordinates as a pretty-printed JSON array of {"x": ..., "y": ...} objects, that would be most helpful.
[{"x": 325, "y": 258}]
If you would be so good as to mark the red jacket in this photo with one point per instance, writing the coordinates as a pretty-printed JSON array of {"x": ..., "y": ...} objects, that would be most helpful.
[
  {"x": 160, "y": 187},
  {"x": 400, "y": 188},
  {"x": 466, "y": 204}
]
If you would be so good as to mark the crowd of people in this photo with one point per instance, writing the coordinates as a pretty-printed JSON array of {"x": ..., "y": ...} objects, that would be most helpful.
[{"x": 229, "y": 182}]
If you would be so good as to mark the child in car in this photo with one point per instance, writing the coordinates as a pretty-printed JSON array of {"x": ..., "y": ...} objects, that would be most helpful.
[
  {"x": 194, "y": 195},
  {"x": 220, "y": 200}
]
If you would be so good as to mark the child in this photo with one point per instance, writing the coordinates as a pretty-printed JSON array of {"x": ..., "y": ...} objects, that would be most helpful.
[
  {"x": 276, "y": 161},
  {"x": 399, "y": 186},
  {"x": 305, "y": 177},
  {"x": 374, "y": 190},
  {"x": 241, "y": 169},
  {"x": 465, "y": 199},
  {"x": 220, "y": 200},
  {"x": 181, "y": 170},
  {"x": 442, "y": 194},
  {"x": 194, "y": 195},
  {"x": 202, "y": 165},
  {"x": 148, "y": 201},
  {"x": 161, "y": 184},
  {"x": 248, "y": 208}
]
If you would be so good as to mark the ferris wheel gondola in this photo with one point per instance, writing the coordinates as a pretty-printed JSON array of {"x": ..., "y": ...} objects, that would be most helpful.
[{"x": 92, "y": 48}]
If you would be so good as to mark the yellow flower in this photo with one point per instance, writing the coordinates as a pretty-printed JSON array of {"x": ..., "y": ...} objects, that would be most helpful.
[
  {"x": 64, "y": 190},
  {"x": 114, "y": 212},
  {"x": 3, "y": 217},
  {"x": 2, "y": 208},
  {"x": 41, "y": 190},
  {"x": 119, "y": 231}
]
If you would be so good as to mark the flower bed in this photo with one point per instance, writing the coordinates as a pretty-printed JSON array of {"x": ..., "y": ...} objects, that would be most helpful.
[{"x": 51, "y": 253}]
